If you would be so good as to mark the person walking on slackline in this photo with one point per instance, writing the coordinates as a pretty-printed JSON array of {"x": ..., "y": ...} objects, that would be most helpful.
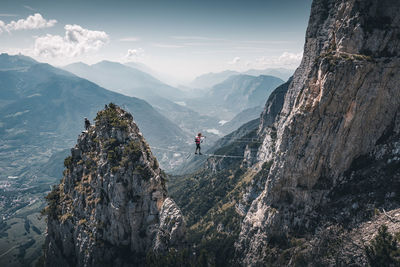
[{"x": 198, "y": 140}]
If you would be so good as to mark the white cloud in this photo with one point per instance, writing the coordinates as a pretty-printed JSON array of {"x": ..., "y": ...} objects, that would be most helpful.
[
  {"x": 129, "y": 39},
  {"x": 134, "y": 54},
  {"x": 234, "y": 61},
  {"x": 76, "y": 41},
  {"x": 35, "y": 21},
  {"x": 287, "y": 59}
]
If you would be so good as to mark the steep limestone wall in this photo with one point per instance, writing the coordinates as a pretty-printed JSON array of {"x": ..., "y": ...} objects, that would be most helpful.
[{"x": 342, "y": 99}]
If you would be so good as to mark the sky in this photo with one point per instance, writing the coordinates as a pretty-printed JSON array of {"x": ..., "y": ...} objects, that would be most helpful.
[{"x": 181, "y": 39}]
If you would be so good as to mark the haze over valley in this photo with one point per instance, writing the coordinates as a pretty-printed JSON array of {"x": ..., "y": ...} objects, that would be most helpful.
[{"x": 297, "y": 103}]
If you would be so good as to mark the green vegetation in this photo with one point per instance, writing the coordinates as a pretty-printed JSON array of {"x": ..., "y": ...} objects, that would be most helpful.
[
  {"x": 53, "y": 199},
  {"x": 131, "y": 153},
  {"x": 110, "y": 144},
  {"x": 133, "y": 150},
  {"x": 90, "y": 164},
  {"x": 334, "y": 57},
  {"x": 384, "y": 249},
  {"x": 209, "y": 201},
  {"x": 111, "y": 116},
  {"x": 112, "y": 156},
  {"x": 362, "y": 57},
  {"x": 68, "y": 162},
  {"x": 121, "y": 156}
]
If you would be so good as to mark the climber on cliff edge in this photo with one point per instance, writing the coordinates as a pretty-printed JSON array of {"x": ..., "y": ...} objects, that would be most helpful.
[
  {"x": 87, "y": 124},
  {"x": 198, "y": 140}
]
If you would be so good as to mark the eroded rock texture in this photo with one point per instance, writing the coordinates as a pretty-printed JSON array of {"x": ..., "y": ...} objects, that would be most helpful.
[
  {"x": 343, "y": 103},
  {"x": 111, "y": 207}
]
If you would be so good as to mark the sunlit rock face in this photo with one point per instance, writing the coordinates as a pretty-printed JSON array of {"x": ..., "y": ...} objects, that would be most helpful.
[
  {"x": 111, "y": 207},
  {"x": 343, "y": 100}
]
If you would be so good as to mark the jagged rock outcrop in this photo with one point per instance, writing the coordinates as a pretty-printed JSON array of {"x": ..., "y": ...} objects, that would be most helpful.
[
  {"x": 273, "y": 106},
  {"x": 111, "y": 207},
  {"x": 343, "y": 100}
]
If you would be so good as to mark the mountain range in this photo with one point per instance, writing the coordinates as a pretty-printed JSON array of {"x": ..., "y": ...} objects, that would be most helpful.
[
  {"x": 125, "y": 80},
  {"x": 217, "y": 101},
  {"x": 42, "y": 110},
  {"x": 235, "y": 94},
  {"x": 130, "y": 81},
  {"x": 41, "y": 114},
  {"x": 44, "y": 107},
  {"x": 314, "y": 180},
  {"x": 208, "y": 80}
]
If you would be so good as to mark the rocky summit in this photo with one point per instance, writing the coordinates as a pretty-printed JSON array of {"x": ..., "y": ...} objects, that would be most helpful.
[
  {"x": 111, "y": 208},
  {"x": 334, "y": 148}
]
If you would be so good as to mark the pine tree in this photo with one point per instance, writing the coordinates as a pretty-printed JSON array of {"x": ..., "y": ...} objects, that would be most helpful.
[{"x": 383, "y": 249}]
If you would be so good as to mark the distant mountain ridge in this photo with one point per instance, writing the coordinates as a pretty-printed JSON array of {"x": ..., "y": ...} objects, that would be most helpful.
[
  {"x": 244, "y": 91},
  {"x": 235, "y": 94},
  {"x": 17, "y": 62},
  {"x": 241, "y": 118},
  {"x": 281, "y": 73},
  {"x": 164, "y": 78},
  {"x": 124, "y": 79},
  {"x": 133, "y": 82},
  {"x": 209, "y": 80},
  {"x": 41, "y": 104}
]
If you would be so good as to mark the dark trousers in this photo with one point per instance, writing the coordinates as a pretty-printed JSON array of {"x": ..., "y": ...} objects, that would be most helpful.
[{"x": 197, "y": 148}]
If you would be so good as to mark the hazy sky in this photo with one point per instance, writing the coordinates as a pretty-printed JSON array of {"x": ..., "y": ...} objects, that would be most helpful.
[{"x": 181, "y": 38}]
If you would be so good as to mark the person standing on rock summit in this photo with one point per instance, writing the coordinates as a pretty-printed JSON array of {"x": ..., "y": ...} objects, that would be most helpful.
[
  {"x": 87, "y": 124},
  {"x": 198, "y": 140}
]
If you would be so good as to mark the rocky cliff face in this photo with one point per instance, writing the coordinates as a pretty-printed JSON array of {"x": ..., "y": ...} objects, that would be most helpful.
[
  {"x": 111, "y": 207},
  {"x": 343, "y": 101},
  {"x": 273, "y": 106}
]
